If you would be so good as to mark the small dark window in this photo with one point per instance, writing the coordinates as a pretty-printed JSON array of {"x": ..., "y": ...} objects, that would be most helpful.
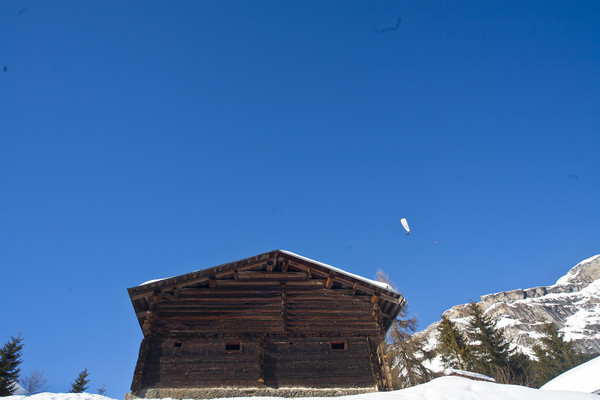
[
  {"x": 339, "y": 345},
  {"x": 233, "y": 347},
  {"x": 177, "y": 344}
]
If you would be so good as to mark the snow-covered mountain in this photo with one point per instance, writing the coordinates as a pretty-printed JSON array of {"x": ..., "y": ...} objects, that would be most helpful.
[{"x": 573, "y": 304}]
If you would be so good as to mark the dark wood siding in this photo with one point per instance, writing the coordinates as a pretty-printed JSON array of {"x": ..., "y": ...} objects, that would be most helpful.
[
  {"x": 287, "y": 325},
  {"x": 199, "y": 363},
  {"x": 312, "y": 363},
  {"x": 288, "y": 362},
  {"x": 298, "y": 307}
]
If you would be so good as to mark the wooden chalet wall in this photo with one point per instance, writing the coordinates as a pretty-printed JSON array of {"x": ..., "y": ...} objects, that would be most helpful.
[{"x": 272, "y": 321}]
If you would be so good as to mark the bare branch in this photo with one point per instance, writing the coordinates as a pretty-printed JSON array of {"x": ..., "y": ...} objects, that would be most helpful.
[{"x": 34, "y": 382}]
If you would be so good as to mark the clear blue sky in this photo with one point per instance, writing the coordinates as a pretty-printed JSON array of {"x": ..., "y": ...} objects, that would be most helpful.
[{"x": 149, "y": 139}]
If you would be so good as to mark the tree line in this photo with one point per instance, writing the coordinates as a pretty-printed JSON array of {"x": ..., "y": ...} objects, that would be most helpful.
[
  {"x": 482, "y": 349},
  {"x": 10, "y": 372}
]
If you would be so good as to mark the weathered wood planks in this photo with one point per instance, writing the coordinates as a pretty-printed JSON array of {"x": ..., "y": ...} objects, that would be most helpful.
[{"x": 272, "y": 321}]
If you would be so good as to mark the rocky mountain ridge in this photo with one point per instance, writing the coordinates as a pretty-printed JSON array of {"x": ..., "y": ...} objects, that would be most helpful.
[{"x": 573, "y": 304}]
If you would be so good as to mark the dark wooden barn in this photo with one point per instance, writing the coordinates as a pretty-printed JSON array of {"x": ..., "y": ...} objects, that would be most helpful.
[{"x": 272, "y": 324}]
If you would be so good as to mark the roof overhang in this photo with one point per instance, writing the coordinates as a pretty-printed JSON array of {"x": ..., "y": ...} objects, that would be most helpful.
[{"x": 389, "y": 300}]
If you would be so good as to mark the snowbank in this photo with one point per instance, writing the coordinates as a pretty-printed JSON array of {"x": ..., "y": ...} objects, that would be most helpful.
[
  {"x": 583, "y": 378},
  {"x": 59, "y": 396},
  {"x": 445, "y": 388}
]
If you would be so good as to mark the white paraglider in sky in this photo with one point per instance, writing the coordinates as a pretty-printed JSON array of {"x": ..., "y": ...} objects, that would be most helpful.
[{"x": 405, "y": 225}]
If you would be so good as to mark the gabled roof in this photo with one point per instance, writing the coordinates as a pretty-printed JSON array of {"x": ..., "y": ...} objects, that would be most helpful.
[{"x": 390, "y": 301}]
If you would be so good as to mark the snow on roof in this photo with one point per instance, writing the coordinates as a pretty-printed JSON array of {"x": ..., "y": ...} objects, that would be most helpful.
[
  {"x": 370, "y": 281},
  {"x": 366, "y": 280},
  {"x": 583, "y": 378},
  {"x": 154, "y": 280}
]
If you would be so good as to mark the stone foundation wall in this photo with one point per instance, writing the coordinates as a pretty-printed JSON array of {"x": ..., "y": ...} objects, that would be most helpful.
[{"x": 211, "y": 393}]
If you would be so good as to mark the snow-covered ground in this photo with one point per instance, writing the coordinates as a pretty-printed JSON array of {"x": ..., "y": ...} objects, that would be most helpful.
[
  {"x": 445, "y": 388},
  {"x": 583, "y": 378}
]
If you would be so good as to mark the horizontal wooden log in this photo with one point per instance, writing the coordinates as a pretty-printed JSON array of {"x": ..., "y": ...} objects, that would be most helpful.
[
  {"x": 240, "y": 306},
  {"x": 330, "y": 373},
  {"x": 189, "y": 279},
  {"x": 207, "y": 369},
  {"x": 213, "y": 384},
  {"x": 237, "y": 327},
  {"x": 332, "y": 327},
  {"x": 202, "y": 334},
  {"x": 271, "y": 307},
  {"x": 242, "y": 321},
  {"x": 324, "y": 320},
  {"x": 226, "y": 300},
  {"x": 338, "y": 301},
  {"x": 307, "y": 298},
  {"x": 207, "y": 307},
  {"x": 204, "y": 323},
  {"x": 307, "y": 283},
  {"x": 271, "y": 275},
  {"x": 246, "y": 283},
  {"x": 181, "y": 323},
  {"x": 350, "y": 282},
  {"x": 219, "y": 316},
  {"x": 343, "y": 307},
  {"x": 229, "y": 290}
]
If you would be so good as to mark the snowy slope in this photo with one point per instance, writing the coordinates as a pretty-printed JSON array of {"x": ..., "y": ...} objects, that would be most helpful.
[
  {"x": 573, "y": 304},
  {"x": 583, "y": 378},
  {"x": 445, "y": 388}
]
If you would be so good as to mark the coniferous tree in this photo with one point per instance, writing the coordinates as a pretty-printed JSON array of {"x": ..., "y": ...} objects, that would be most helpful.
[
  {"x": 555, "y": 355},
  {"x": 520, "y": 371},
  {"x": 403, "y": 351},
  {"x": 80, "y": 384},
  {"x": 10, "y": 359},
  {"x": 453, "y": 347},
  {"x": 489, "y": 349}
]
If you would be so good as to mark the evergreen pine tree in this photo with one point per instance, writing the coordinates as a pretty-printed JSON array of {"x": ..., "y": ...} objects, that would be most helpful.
[
  {"x": 453, "y": 347},
  {"x": 80, "y": 384},
  {"x": 489, "y": 349},
  {"x": 555, "y": 355},
  {"x": 520, "y": 371},
  {"x": 10, "y": 359}
]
